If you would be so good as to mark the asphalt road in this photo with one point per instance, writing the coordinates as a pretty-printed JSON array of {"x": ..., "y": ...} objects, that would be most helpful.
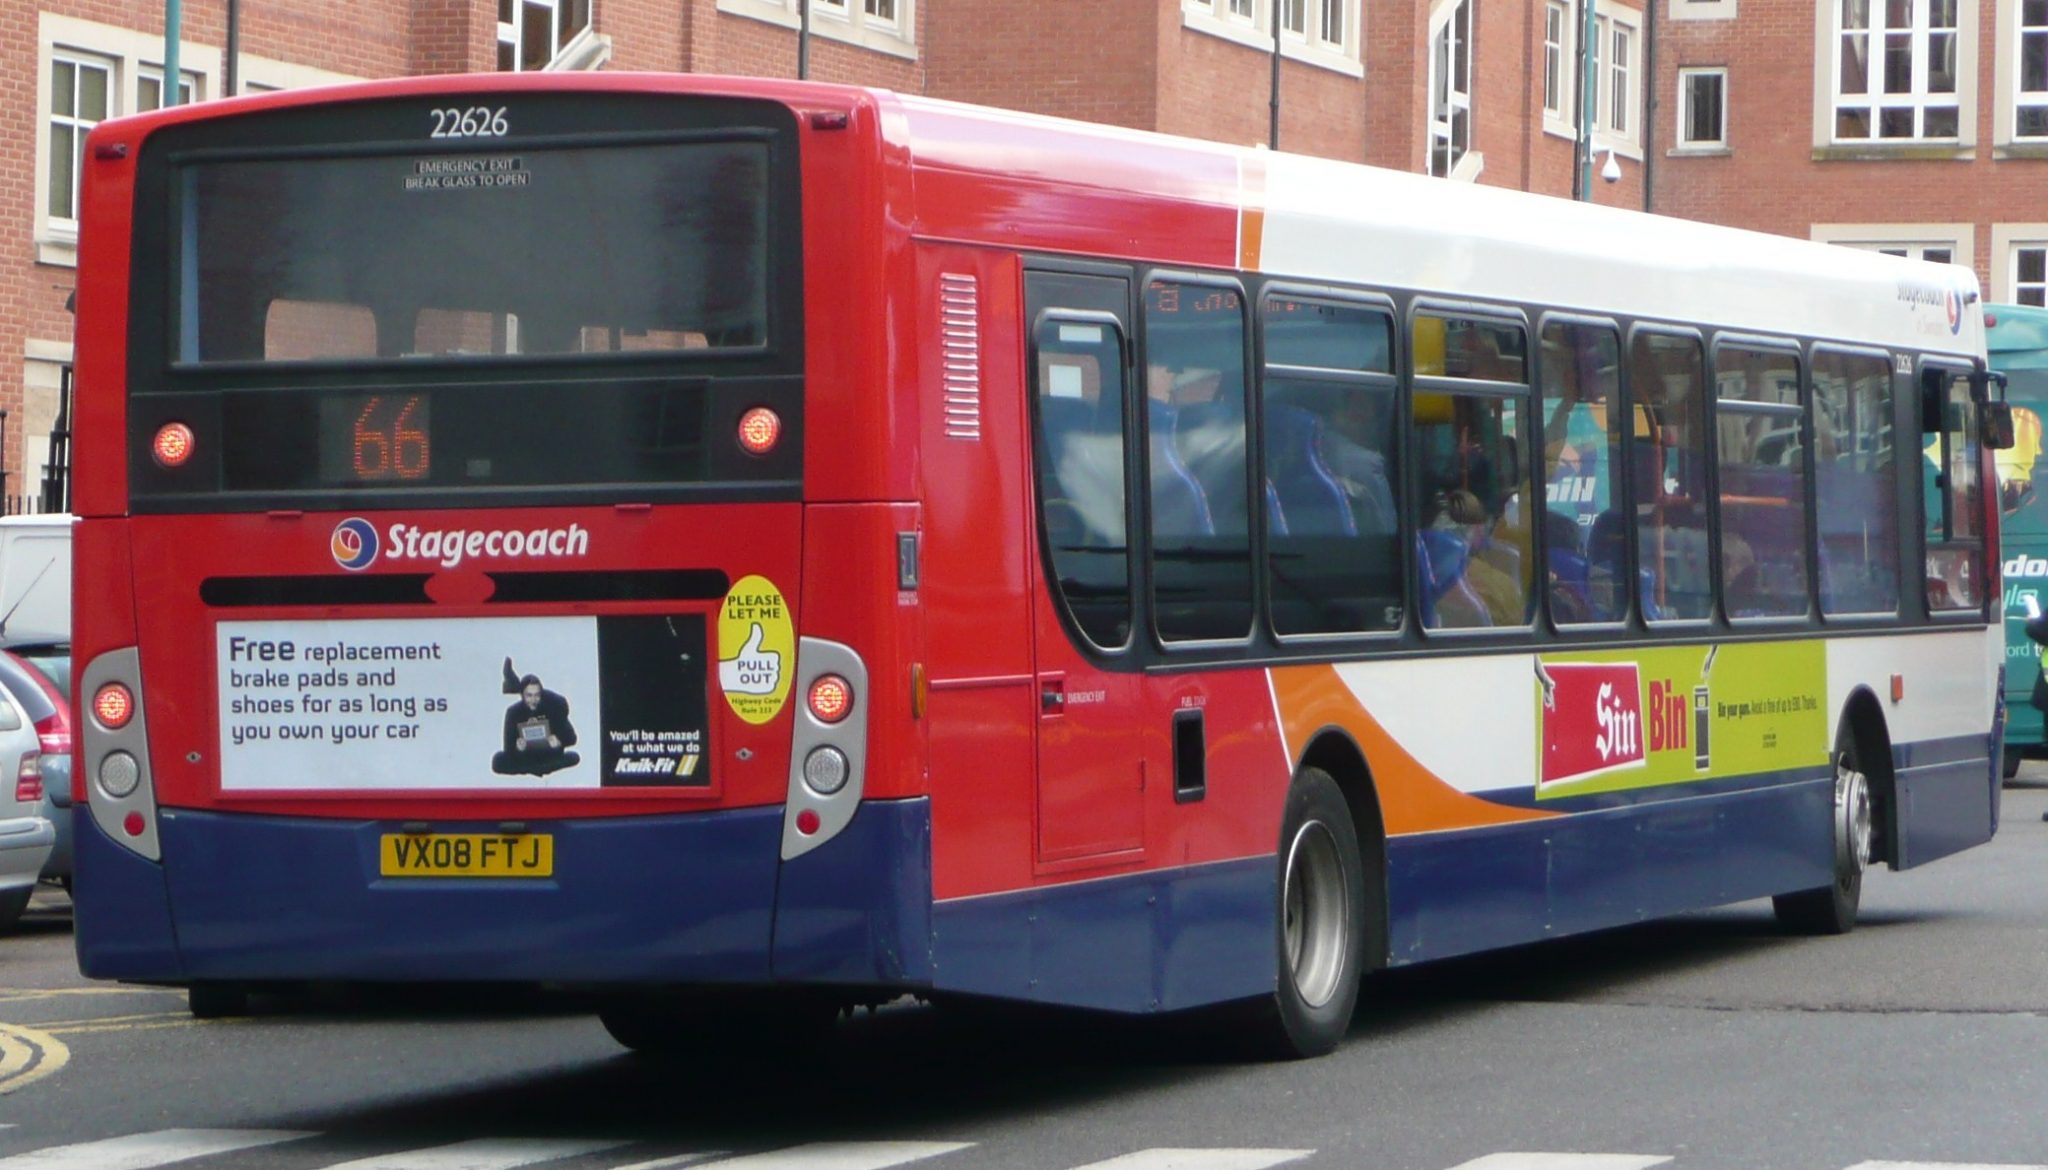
[{"x": 1710, "y": 1042}]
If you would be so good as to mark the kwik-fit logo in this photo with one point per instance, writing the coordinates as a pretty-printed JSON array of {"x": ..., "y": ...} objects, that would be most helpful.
[{"x": 356, "y": 544}]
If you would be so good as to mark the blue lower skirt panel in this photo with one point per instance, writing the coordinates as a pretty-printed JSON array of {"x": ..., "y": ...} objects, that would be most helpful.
[
  {"x": 1156, "y": 941},
  {"x": 667, "y": 899},
  {"x": 1949, "y": 793}
]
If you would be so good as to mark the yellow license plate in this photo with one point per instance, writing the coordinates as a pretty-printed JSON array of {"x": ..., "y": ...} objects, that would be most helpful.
[{"x": 488, "y": 855}]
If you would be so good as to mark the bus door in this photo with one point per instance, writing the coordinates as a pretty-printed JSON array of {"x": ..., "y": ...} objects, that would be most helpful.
[{"x": 1091, "y": 768}]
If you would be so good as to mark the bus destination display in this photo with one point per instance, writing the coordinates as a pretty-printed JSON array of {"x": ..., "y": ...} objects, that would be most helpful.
[{"x": 375, "y": 438}]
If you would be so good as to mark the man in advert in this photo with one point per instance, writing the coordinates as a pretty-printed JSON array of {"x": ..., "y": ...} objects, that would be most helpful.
[{"x": 537, "y": 733}]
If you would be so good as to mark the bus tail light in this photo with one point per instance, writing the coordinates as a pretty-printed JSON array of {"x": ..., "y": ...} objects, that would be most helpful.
[
  {"x": 112, "y": 747},
  {"x": 112, "y": 705},
  {"x": 28, "y": 783},
  {"x": 828, "y": 746},
  {"x": 172, "y": 445},
  {"x": 760, "y": 430}
]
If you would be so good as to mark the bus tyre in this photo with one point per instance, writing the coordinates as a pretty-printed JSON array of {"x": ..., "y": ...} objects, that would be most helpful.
[
  {"x": 1831, "y": 909},
  {"x": 2012, "y": 762},
  {"x": 1319, "y": 935},
  {"x": 13, "y": 904}
]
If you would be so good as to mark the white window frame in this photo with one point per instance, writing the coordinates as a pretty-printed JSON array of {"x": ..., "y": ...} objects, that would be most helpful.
[
  {"x": 1442, "y": 115},
  {"x": 845, "y": 21},
  {"x": 51, "y": 118},
  {"x": 1310, "y": 42},
  {"x": 1687, "y": 145},
  {"x": 1701, "y": 9},
  {"x": 2007, "y": 241},
  {"x": 145, "y": 75},
  {"x": 2020, "y": 41},
  {"x": 1829, "y": 100},
  {"x": 1610, "y": 21},
  {"x": 1558, "y": 71},
  {"x": 1914, "y": 238},
  {"x": 582, "y": 51}
]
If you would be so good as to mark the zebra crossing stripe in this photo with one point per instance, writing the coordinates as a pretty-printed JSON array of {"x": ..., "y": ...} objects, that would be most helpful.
[
  {"x": 836, "y": 1156},
  {"x": 142, "y": 1151},
  {"x": 480, "y": 1154},
  {"x": 668, "y": 1163},
  {"x": 1946, "y": 1166},
  {"x": 1212, "y": 1159},
  {"x": 1565, "y": 1162}
]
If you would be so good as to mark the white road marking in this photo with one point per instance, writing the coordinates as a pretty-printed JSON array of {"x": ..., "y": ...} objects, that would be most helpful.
[
  {"x": 141, "y": 1151},
  {"x": 1187, "y": 1159},
  {"x": 839, "y": 1156},
  {"x": 1565, "y": 1162},
  {"x": 1947, "y": 1166},
  {"x": 480, "y": 1154}
]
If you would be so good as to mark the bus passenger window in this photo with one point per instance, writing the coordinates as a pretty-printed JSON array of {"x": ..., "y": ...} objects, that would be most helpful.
[
  {"x": 1198, "y": 471},
  {"x": 1586, "y": 580},
  {"x": 1956, "y": 577},
  {"x": 1333, "y": 526},
  {"x": 1080, "y": 453},
  {"x": 1762, "y": 459},
  {"x": 1855, "y": 491},
  {"x": 1668, "y": 463},
  {"x": 1474, "y": 548}
]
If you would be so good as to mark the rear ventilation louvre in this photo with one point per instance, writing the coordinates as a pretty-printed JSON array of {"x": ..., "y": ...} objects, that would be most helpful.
[{"x": 960, "y": 330}]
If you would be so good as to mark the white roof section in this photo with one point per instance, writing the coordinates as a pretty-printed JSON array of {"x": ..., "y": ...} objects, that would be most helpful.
[{"x": 1345, "y": 223}]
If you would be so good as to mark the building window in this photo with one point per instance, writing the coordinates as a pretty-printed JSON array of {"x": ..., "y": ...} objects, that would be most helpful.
[
  {"x": 81, "y": 92},
  {"x": 2030, "y": 105},
  {"x": 1702, "y": 107},
  {"x": 532, "y": 33},
  {"x": 2030, "y": 274},
  {"x": 1615, "y": 90},
  {"x": 885, "y": 26},
  {"x": 1895, "y": 70},
  {"x": 149, "y": 89},
  {"x": 1556, "y": 76},
  {"x": 1450, "y": 88},
  {"x": 1317, "y": 32},
  {"x": 1936, "y": 243}
]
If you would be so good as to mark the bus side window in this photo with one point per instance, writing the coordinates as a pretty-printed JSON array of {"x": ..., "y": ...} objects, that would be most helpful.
[
  {"x": 1198, "y": 469},
  {"x": 1956, "y": 577},
  {"x": 1762, "y": 460},
  {"x": 1333, "y": 563},
  {"x": 1668, "y": 459},
  {"x": 1079, "y": 395},
  {"x": 1586, "y": 579},
  {"x": 1475, "y": 548},
  {"x": 1855, "y": 494}
]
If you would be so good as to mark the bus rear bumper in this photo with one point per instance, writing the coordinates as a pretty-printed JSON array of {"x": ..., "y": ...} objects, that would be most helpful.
[{"x": 690, "y": 898}]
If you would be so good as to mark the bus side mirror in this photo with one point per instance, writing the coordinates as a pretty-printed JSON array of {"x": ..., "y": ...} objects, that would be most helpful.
[{"x": 1998, "y": 426}]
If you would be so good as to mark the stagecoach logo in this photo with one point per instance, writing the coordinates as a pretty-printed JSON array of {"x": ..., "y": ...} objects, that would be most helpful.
[
  {"x": 1950, "y": 299},
  {"x": 354, "y": 544}
]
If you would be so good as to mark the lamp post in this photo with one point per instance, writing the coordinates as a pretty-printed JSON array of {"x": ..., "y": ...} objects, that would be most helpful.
[
  {"x": 173, "y": 33},
  {"x": 1587, "y": 90},
  {"x": 1273, "y": 100},
  {"x": 803, "y": 40}
]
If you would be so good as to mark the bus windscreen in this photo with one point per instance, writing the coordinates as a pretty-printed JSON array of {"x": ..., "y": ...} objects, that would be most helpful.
[{"x": 486, "y": 253}]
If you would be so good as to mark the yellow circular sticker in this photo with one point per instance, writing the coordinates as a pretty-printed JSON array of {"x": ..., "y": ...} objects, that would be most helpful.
[{"x": 756, "y": 649}]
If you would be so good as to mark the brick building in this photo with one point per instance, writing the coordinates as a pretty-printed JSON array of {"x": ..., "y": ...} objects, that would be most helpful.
[{"x": 1910, "y": 125}]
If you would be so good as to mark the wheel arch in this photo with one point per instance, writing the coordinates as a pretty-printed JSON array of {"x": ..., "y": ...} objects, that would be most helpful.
[
  {"x": 1336, "y": 753},
  {"x": 1862, "y": 724}
]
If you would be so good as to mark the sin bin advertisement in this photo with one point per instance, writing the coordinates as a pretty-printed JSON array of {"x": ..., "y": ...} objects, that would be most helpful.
[
  {"x": 1633, "y": 719},
  {"x": 469, "y": 703}
]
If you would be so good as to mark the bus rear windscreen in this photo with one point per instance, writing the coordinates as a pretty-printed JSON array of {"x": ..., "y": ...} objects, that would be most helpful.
[{"x": 519, "y": 252}]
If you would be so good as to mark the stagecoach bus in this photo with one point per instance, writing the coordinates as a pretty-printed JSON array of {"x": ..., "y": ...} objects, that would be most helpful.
[
  {"x": 745, "y": 548},
  {"x": 2016, "y": 340}
]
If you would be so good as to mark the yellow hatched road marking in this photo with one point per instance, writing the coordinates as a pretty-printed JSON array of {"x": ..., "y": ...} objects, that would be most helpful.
[{"x": 27, "y": 1056}]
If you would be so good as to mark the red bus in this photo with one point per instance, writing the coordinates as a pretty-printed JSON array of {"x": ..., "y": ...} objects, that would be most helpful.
[{"x": 747, "y": 547}]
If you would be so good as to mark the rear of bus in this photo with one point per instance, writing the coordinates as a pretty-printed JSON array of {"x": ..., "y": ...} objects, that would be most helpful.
[
  {"x": 2016, "y": 340},
  {"x": 449, "y": 591}
]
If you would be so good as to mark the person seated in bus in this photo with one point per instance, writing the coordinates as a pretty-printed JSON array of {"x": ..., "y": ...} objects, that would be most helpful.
[
  {"x": 538, "y": 734},
  {"x": 1567, "y": 568},
  {"x": 1465, "y": 590}
]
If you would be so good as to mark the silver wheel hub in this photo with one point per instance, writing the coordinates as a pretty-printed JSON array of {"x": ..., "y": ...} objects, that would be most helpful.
[
  {"x": 1852, "y": 820},
  {"x": 1316, "y": 914}
]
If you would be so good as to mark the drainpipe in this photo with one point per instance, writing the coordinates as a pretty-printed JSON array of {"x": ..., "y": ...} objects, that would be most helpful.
[{"x": 173, "y": 33}]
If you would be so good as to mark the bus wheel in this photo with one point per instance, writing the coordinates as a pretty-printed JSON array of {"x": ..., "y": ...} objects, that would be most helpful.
[
  {"x": 1831, "y": 909},
  {"x": 213, "y": 1001},
  {"x": 2012, "y": 762},
  {"x": 1320, "y": 932}
]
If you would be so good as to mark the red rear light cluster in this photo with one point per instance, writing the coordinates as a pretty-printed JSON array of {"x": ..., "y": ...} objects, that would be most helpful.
[
  {"x": 831, "y": 697},
  {"x": 54, "y": 730},
  {"x": 172, "y": 445},
  {"x": 28, "y": 784},
  {"x": 113, "y": 706},
  {"x": 760, "y": 429}
]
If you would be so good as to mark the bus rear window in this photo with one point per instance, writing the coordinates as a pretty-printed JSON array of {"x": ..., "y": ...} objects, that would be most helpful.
[{"x": 519, "y": 252}]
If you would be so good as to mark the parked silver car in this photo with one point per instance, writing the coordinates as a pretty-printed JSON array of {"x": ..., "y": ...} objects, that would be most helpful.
[
  {"x": 37, "y": 677},
  {"x": 26, "y": 837}
]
